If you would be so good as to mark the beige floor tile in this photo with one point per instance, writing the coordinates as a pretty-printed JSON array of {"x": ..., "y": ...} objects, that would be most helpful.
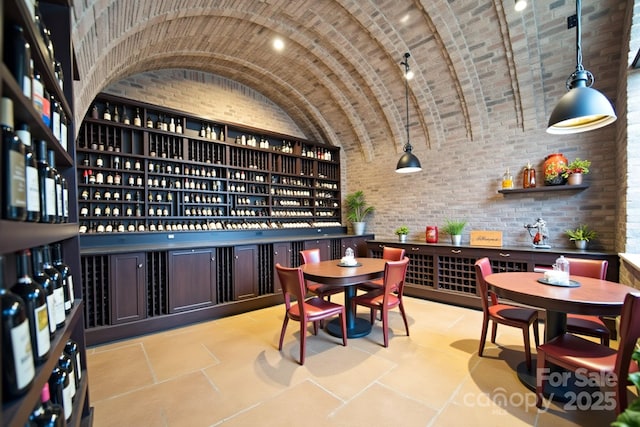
[{"x": 117, "y": 371}]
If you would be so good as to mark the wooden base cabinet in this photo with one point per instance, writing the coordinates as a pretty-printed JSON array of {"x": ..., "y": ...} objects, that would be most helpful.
[
  {"x": 127, "y": 279},
  {"x": 192, "y": 279}
]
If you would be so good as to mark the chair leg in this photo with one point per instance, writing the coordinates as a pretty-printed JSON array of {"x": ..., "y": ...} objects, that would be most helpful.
[
  {"x": 527, "y": 346},
  {"x": 539, "y": 379},
  {"x": 372, "y": 316},
  {"x": 605, "y": 339},
  {"x": 404, "y": 317},
  {"x": 536, "y": 333},
  {"x": 303, "y": 339},
  {"x": 343, "y": 321},
  {"x": 385, "y": 328},
  {"x": 494, "y": 331},
  {"x": 284, "y": 328},
  {"x": 483, "y": 335},
  {"x": 315, "y": 327}
]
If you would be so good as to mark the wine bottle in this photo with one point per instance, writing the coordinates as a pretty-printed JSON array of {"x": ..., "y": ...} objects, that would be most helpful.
[
  {"x": 65, "y": 200},
  {"x": 107, "y": 112},
  {"x": 14, "y": 193},
  {"x": 18, "y": 369},
  {"x": 31, "y": 171},
  {"x": 47, "y": 414},
  {"x": 15, "y": 52},
  {"x": 47, "y": 180},
  {"x": 43, "y": 279},
  {"x": 37, "y": 91},
  {"x": 61, "y": 391},
  {"x": 51, "y": 158},
  {"x": 55, "y": 117},
  {"x": 35, "y": 302},
  {"x": 58, "y": 290},
  {"x": 67, "y": 277},
  {"x": 73, "y": 351},
  {"x": 68, "y": 365}
]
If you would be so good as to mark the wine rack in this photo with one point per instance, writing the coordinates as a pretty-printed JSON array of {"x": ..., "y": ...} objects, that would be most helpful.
[
  {"x": 17, "y": 235},
  {"x": 163, "y": 170}
]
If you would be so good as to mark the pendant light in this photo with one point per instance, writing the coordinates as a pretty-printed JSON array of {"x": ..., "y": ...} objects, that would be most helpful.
[
  {"x": 520, "y": 5},
  {"x": 408, "y": 163},
  {"x": 582, "y": 108}
]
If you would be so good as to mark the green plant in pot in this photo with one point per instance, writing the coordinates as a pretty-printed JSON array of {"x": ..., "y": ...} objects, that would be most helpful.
[
  {"x": 575, "y": 170},
  {"x": 454, "y": 229},
  {"x": 357, "y": 211},
  {"x": 402, "y": 232},
  {"x": 581, "y": 235}
]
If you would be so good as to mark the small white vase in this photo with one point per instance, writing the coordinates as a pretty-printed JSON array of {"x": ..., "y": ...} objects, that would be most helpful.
[
  {"x": 581, "y": 244},
  {"x": 358, "y": 228},
  {"x": 456, "y": 239},
  {"x": 402, "y": 237}
]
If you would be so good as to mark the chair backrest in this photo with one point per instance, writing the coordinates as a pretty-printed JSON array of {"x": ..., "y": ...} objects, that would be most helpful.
[
  {"x": 629, "y": 334},
  {"x": 310, "y": 256},
  {"x": 292, "y": 281},
  {"x": 596, "y": 268},
  {"x": 394, "y": 275},
  {"x": 392, "y": 254},
  {"x": 483, "y": 268}
]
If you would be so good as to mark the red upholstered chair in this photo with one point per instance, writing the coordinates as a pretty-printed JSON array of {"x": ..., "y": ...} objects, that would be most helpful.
[
  {"x": 310, "y": 256},
  {"x": 582, "y": 324},
  {"x": 505, "y": 314},
  {"x": 389, "y": 254},
  {"x": 311, "y": 310},
  {"x": 572, "y": 353},
  {"x": 390, "y": 296}
]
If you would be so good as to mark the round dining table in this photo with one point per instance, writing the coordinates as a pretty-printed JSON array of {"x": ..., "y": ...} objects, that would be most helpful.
[
  {"x": 334, "y": 273},
  {"x": 584, "y": 295}
]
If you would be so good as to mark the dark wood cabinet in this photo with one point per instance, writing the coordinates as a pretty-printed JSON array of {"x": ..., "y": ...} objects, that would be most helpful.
[
  {"x": 323, "y": 245},
  {"x": 192, "y": 279},
  {"x": 281, "y": 255},
  {"x": 127, "y": 280},
  {"x": 245, "y": 271},
  {"x": 357, "y": 243}
]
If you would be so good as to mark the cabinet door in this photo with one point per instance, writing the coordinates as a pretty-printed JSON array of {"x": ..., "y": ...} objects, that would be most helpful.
[
  {"x": 357, "y": 243},
  {"x": 324, "y": 246},
  {"x": 245, "y": 272},
  {"x": 128, "y": 296},
  {"x": 192, "y": 279},
  {"x": 282, "y": 255}
]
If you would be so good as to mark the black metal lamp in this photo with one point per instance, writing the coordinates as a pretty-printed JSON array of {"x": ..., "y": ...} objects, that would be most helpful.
[
  {"x": 582, "y": 108},
  {"x": 408, "y": 163}
]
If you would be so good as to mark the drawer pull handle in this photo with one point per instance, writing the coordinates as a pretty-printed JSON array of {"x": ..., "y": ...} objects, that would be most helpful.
[
  {"x": 140, "y": 265},
  {"x": 456, "y": 251},
  {"x": 415, "y": 249},
  {"x": 505, "y": 255}
]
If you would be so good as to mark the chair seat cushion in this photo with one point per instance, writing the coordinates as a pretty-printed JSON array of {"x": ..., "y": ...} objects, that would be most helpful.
[
  {"x": 581, "y": 352},
  {"x": 375, "y": 298},
  {"x": 510, "y": 312},
  {"x": 322, "y": 289},
  {"x": 579, "y": 323},
  {"x": 316, "y": 308}
]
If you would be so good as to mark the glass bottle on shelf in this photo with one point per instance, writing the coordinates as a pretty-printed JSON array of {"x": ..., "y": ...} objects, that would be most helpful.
[
  {"x": 47, "y": 414},
  {"x": 47, "y": 181},
  {"x": 32, "y": 185},
  {"x": 35, "y": 302},
  {"x": 43, "y": 279},
  {"x": 51, "y": 156},
  {"x": 137, "y": 121},
  {"x": 507, "y": 180},
  {"x": 107, "y": 112},
  {"x": 17, "y": 355},
  {"x": 125, "y": 116},
  {"x": 58, "y": 289},
  {"x": 14, "y": 191}
]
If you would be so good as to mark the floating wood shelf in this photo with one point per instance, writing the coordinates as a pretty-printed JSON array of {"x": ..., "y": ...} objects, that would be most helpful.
[{"x": 545, "y": 188}]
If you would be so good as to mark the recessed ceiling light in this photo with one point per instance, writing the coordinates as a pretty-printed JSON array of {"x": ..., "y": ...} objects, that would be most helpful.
[{"x": 278, "y": 44}]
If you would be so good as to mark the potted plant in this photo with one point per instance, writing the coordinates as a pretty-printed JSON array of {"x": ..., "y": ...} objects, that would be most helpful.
[
  {"x": 581, "y": 235},
  {"x": 402, "y": 233},
  {"x": 454, "y": 229},
  {"x": 357, "y": 211},
  {"x": 574, "y": 171}
]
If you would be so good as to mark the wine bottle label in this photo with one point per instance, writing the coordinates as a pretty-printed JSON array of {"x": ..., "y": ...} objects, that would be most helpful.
[
  {"x": 58, "y": 295},
  {"x": 38, "y": 95},
  {"x": 65, "y": 202},
  {"x": 18, "y": 186},
  {"x": 63, "y": 134},
  {"x": 22, "y": 354},
  {"x": 33, "y": 189},
  {"x": 78, "y": 367},
  {"x": 42, "y": 334},
  {"x": 51, "y": 301},
  {"x": 70, "y": 285},
  {"x": 59, "y": 208},
  {"x": 67, "y": 401},
  {"x": 55, "y": 124}
]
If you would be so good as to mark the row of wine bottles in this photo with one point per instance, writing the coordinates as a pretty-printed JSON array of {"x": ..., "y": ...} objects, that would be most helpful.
[
  {"x": 17, "y": 57},
  {"x": 34, "y": 309},
  {"x": 32, "y": 188}
]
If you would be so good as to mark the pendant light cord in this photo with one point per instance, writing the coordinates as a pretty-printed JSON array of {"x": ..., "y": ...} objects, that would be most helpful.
[
  {"x": 579, "y": 66},
  {"x": 407, "y": 146}
]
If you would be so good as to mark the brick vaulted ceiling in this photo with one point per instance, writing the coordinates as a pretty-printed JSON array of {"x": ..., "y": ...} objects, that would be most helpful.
[{"x": 339, "y": 77}]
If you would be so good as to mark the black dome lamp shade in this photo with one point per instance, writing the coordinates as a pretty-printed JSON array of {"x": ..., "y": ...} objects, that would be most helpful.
[
  {"x": 582, "y": 108},
  {"x": 408, "y": 163}
]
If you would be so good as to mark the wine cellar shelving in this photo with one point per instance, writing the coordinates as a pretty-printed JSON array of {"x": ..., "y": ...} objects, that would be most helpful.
[{"x": 144, "y": 168}]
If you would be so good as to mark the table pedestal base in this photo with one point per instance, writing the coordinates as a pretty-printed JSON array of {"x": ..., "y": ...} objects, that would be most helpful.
[
  {"x": 565, "y": 391},
  {"x": 360, "y": 328}
]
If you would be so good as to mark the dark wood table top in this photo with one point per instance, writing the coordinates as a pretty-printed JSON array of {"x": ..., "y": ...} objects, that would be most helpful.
[
  {"x": 593, "y": 296},
  {"x": 330, "y": 273}
]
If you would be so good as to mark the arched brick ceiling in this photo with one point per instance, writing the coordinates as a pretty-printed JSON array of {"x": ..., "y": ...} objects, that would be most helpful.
[{"x": 339, "y": 77}]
